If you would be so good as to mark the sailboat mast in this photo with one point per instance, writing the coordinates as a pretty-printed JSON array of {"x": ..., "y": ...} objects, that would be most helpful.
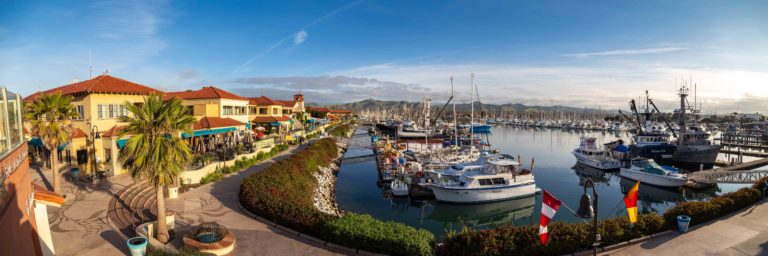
[
  {"x": 472, "y": 114},
  {"x": 455, "y": 122}
]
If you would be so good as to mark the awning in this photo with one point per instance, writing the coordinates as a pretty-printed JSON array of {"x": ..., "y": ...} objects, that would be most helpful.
[
  {"x": 274, "y": 123},
  {"x": 37, "y": 142},
  {"x": 208, "y": 132},
  {"x": 121, "y": 143}
]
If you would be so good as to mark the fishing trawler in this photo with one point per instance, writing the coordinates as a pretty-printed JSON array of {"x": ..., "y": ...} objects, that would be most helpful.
[{"x": 694, "y": 149}]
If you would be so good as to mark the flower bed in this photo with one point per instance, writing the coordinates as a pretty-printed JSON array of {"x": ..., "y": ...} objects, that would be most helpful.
[{"x": 283, "y": 193}]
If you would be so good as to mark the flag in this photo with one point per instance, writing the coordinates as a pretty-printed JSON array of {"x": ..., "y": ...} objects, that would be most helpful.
[
  {"x": 631, "y": 202},
  {"x": 549, "y": 207}
]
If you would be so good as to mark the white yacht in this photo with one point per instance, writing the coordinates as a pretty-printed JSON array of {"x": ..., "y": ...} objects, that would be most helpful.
[
  {"x": 499, "y": 178},
  {"x": 398, "y": 188},
  {"x": 649, "y": 172},
  {"x": 589, "y": 154}
]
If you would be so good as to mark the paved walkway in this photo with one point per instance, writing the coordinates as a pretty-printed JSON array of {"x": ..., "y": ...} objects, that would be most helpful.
[
  {"x": 81, "y": 227},
  {"x": 741, "y": 233}
]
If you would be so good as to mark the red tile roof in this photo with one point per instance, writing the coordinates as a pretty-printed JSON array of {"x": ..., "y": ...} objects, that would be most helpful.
[
  {"x": 215, "y": 122},
  {"x": 318, "y": 109},
  {"x": 207, "y": 92},
  {"x": 340, "y": 111},
  {"x": 263, "y": 100},
  {"x": 270, "y": 119},
  {"x": 99, "y": 84},
  {"x": 79, "y": 134},
  {"x": 287, "y": 103},
  {"x": 114, "y": 131}
]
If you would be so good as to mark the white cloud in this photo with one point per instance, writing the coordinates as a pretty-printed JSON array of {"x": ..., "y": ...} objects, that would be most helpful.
[
  {"x": 300, "y": 37},
  {"x": 609, "y": 87},
  {"x": 627, "y": 52}
]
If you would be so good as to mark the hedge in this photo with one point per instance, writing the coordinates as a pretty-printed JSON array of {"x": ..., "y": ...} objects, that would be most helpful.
[
  {"x": 574, "y": 237},
  {"x": 284, "y": 193},
  {"x": 341, "y": 131},
  {"x": 389, "y": 237}
]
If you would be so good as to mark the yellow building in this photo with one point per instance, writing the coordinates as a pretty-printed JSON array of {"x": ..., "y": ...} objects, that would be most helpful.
[
  {"x": 99, "y": 102},
  {"x": 277, "y": 116},
  {"x": 221, "y": 116}
]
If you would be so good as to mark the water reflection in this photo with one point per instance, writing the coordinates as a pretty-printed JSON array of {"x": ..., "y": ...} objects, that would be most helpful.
[
  {"x": 484, "y": 216},
  {"x": 585, "y": 172}
]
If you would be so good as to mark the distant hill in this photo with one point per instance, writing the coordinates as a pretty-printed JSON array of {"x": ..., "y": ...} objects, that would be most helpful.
[{"x": 491, "y": 109}]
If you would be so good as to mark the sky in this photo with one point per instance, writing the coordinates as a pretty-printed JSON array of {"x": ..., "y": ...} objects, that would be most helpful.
[{"x": 596, "y": 54}]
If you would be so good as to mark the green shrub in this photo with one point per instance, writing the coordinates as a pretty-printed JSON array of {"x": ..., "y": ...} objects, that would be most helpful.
[
  {"x": 364, "y": 231},
  {"x": 704, "y": 211},
  {"x": 564, "y": 238}
]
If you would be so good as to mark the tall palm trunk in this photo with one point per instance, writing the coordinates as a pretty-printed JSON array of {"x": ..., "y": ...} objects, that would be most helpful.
[
  {"x": 55, "y": 169},
  {"x": 162, "y": 226}
]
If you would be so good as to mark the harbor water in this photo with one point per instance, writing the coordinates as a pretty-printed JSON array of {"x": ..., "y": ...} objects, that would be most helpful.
[{"x": 555, "y": 170}]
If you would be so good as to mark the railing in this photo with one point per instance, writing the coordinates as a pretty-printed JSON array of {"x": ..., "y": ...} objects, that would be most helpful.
[{"x": 738, "y": 177}]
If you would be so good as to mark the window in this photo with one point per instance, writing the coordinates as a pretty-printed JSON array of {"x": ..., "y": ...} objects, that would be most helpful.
[
  {"x": 274, "y": 111},
  {"x": 80, "y": 112},
  {"x": 240, "y": 110},
  {"x": 263, "y": 111},
  {"x": 111, "y": 111},
  {"x": 486, "y": 182},
  {"x": 228, "y": 110},
  {"x": 108, "y": 155},
  {"x": 498, "y": 181}
]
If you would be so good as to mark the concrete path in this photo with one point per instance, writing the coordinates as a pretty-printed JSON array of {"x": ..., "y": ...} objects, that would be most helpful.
[
  {"x": 741, "y": 233},
  {"x": 217, "y": 202},
  {"x": 81, "y": 227}
]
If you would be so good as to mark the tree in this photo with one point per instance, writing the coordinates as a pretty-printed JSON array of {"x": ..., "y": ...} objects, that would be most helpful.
[
  {"x": 155, "y": 152},
  {"x": 50, "y": 116}
]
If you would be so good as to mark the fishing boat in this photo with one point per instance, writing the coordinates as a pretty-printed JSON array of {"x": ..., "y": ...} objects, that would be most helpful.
[
  {"x": 398, "y": 188},
  {"x": 694, "y": 149},
  {"x": 649, "y": 172},
  {"x": 498, "y": 178},
  {"x": 588, "y": 153}
]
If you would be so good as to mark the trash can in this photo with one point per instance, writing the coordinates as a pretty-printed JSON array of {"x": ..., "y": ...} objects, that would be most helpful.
[
  {"x": 137, "y": 246},
  {"x": 682, "y": 223}
]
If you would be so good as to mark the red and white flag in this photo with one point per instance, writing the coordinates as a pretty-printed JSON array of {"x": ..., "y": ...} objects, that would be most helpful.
[{"x": 549, "y": 207}]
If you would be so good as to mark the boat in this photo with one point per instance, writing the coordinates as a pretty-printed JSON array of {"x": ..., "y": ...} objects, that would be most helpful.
[
  {"x": 694, "y": 149},
  {"x": 652, "y": 143},
  {"x": 649, "y": 172},
  {"x": 588, "y": 153},
  {"x": 388, "y": 127},
  {"x": 477, "y": 127},
  {"x": 498, "y": 178},
  {"x": 398, "y": 188},
  {"x": 409, "y": 129}
]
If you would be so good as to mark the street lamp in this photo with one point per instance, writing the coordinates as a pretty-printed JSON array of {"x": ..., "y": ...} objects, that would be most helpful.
[
  {"x": 588, "y": 209},
  {"x": 94, "y": 135}
]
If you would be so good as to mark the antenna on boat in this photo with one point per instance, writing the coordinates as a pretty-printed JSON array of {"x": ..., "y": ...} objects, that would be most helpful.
[{"x": 455, "y": 122}]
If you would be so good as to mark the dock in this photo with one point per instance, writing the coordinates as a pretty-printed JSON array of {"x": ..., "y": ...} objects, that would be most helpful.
[{"x": 744, "y": 166}]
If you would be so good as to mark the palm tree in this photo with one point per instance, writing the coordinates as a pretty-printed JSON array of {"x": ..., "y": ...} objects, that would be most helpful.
[
  {"x": 50, "y": 117},
  {"x": 155, "y": 152}
]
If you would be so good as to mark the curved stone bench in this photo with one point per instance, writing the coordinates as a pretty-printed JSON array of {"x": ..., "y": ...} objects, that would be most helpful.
[{"x": 222, "y": 247}]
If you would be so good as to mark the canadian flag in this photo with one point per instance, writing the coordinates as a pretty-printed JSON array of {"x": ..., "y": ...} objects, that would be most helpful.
[{"x": 549, "y": 207}]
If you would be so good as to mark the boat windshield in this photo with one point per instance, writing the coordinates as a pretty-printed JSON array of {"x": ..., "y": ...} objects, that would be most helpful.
[{"x": 651, "y": 167}]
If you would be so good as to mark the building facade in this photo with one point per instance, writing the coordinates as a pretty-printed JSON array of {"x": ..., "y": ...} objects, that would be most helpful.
[{"x": 23, "y": 206}]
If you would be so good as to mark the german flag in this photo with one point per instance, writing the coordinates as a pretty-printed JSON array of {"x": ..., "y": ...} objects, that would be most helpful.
[{"x": 631, "y": 202}]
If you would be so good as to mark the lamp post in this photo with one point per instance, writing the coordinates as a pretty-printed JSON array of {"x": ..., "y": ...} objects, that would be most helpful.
[
  {"x": 94, "y": 135},
  {"x": 588, "y": 209}
]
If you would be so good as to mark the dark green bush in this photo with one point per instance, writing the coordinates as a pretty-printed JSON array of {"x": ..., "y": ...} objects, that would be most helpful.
[
  {"x": 704, "y": 211},
  {"x": 340, "y": 131},
  {"x": 394, "y": 238},
  {"x": 563, "y": 237}
]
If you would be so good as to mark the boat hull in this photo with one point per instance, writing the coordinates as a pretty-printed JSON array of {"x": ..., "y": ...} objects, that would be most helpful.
[
  {"x": 696, "y": 155},
  {"x": 652, "y": 179},
  {"x": 482, "y": 195},
  {"x": 600, "y": 164},
  {"x": 386, "y": 128},
  {"x": 659, "y": 153}
]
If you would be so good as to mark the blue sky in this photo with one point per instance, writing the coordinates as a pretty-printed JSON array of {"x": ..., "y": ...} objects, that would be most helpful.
[{"x": 597, "y": 53}]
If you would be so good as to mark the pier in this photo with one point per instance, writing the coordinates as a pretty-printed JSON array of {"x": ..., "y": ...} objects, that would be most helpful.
[{"x": 739, "y": 173}]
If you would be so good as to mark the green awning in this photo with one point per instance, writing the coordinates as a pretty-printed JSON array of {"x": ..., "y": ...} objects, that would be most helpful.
[
  {"x": 208, "y": 132},
  {"x": 37, "y": 142},
  {"x": 121, "y": 143}
]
